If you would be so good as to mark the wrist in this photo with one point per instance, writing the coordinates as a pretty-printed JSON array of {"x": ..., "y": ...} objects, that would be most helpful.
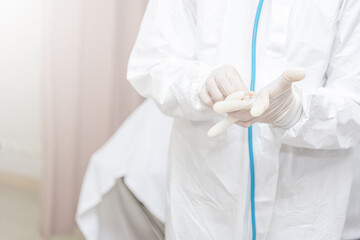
[{"x": 292, "y": 116}]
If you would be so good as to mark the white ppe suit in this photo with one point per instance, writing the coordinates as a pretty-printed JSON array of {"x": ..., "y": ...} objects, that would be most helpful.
[{"x": 304, "y": 173}]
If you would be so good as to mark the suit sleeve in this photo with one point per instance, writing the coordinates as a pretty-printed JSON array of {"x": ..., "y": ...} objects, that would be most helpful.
[
  {"x": 163, "y": 64},
  {"x": 331, "y": 114}
]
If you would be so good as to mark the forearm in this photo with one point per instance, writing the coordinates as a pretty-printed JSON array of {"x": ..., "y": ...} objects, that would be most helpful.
[
  {"x": 173, "y": 84},
  {"x": 329, "y": 120}
]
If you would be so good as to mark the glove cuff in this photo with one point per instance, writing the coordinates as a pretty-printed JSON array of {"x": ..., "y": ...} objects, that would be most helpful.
[{"x": 293, "y": 115}]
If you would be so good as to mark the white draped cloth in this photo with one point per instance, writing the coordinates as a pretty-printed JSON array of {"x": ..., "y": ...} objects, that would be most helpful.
[{"x": 138, "y": 152}]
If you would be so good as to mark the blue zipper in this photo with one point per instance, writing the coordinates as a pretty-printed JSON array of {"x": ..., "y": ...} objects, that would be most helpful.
[{"x": 250, "y": 132}]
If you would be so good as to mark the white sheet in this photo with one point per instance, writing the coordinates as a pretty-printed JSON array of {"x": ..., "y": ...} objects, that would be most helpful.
[{"x": 138, "y": 152}]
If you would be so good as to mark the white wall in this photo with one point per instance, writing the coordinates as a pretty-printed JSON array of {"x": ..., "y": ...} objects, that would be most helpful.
[{"x": 20, "y": 82}]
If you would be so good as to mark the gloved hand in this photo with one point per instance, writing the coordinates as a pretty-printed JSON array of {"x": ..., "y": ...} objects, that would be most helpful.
[
  {"x": 275, "y": 104},
  {"x": 222, "y": 82}
]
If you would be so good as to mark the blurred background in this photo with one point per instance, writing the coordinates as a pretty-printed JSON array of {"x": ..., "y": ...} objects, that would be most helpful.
[{"x": 63, "y": 93}]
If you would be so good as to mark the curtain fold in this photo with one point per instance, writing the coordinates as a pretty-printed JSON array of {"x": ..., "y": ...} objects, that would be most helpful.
[{"x": 85, "y": 94}]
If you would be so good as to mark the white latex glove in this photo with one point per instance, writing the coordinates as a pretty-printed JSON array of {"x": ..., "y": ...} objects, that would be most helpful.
[
  {"x": 275, "y": 104},
  {"x": 222, "y": 82}
]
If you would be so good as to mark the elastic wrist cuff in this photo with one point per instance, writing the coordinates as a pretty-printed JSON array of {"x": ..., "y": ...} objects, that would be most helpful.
[{"x": 293, "y": 115}]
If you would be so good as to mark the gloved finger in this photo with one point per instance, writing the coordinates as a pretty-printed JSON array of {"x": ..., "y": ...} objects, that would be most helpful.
[
  {"x": 205, "y": 98},
  {"x": 231, "y": 106},
  {"x": 261, "y": 104},
  {"x": 284, "y": 82},
  {"x": 214, "y": 90},
  {"x": 249, "y": 95},
  {"x": 243, "y": 115},
  {"x": 236, "y": 81},
  {"x": 224, "y": 84},
  {"x": 245, "y": 124},
  {"x": 290, "y": 76},
  {"x": 235, "y": 96},
  {"x": 221, "y": 126}
]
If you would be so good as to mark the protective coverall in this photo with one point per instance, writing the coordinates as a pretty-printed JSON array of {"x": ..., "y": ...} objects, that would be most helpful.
[{"x": 303, "y": 173}]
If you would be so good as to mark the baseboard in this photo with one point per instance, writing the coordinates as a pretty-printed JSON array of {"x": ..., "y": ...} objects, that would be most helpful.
[{"x": 21, "y": 182}]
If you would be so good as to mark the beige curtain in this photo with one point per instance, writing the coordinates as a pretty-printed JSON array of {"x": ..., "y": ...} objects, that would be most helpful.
[{"x": 86, "y": 95}]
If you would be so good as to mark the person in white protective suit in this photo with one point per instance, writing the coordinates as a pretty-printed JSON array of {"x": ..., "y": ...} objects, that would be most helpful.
[
  {"x": 304, "y": 132},
  {"x": 107, "y": 212}
]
